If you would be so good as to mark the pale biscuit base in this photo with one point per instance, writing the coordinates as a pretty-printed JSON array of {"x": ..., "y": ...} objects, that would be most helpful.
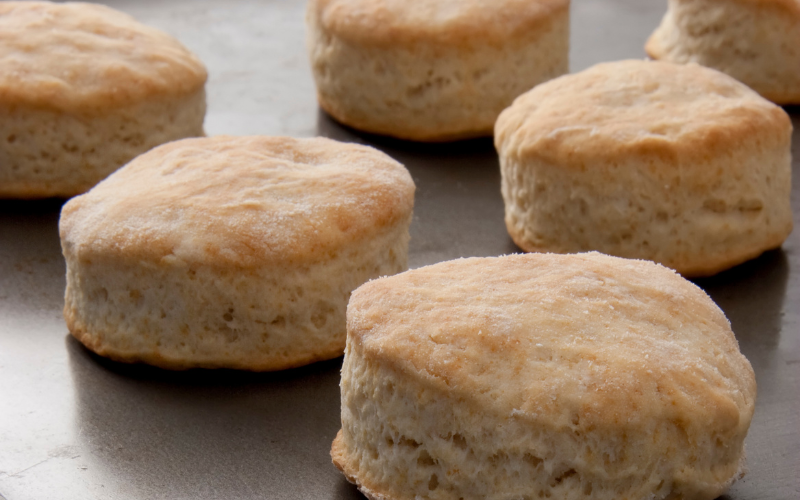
[
  {"x": 757, "y": 42},
  {"x": 177, "y": 316},
  {"x": 696, "y": 232},
  {"x": 541, "y": 376},
  {"x": 431, "y": 84},
  {"x": 55, "y": 153}
]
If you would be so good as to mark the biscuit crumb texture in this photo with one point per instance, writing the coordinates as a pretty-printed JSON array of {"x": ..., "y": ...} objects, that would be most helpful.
[
  {"x": 432, "y": 71},
  {"x": 541, "y": 376},
  {"x": 679, "y": 164},
  {"x": 51, "y": 153},
  {"x": 83, "y": 90},
  {"x": 232, "y": 252},
  {"x": 756, "y": 42},
  {"x": 180, "y": 316}
]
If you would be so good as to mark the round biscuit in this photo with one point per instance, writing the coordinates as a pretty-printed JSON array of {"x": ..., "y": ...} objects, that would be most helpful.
[
  {"x": 83, "y": 90},
  {"x": 235, "y": 252},
  {"x": 679, "y": 164},
  {"x": 754, "y": 41},
  {"x": 432, "y": 70},
  {"x": 541, "y": 376}
]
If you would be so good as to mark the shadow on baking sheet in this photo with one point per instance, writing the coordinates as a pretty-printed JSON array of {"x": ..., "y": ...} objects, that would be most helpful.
[
  {"x": 152, "y": 433},
  {"x": 330, "y": 128},
  {"x": 752, "y": 297},
  {"x": 27, "y": 224},
  {"x": 345, "y": 491},
  {"x": 792, "y": 109},
  {"x": 458, "y": 209},
  {"x": 31, "y": 266},
  {"x": 46, "y": 206}
]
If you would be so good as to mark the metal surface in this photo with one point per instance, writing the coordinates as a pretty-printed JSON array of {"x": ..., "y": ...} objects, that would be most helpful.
[{"x": 76, "y": 426}]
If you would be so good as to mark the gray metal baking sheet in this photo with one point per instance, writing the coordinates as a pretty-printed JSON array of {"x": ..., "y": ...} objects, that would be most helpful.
[{"x": 76, "y": 426}]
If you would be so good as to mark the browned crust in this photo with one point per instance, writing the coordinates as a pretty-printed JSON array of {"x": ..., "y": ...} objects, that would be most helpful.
[
  {"x": 155, "y": 358},
  {"x": 58, "y": 61},
  {"x": 339, "y": 459},
  {"x": 380, "y": 321},
  {"x": 355, "y": 191},
  {"x": 396, "y": 22},
  {"x": 596, "y": 125}
]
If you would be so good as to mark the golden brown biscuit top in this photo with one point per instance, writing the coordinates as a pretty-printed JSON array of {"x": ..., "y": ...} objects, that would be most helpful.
[
  {"x": 392, "y": 22},
  {"x": 648, "y": 109},
  {"x": 790, "y": 7},
  {"x": 239, "y": 201},
  {"x": 86, "y": 57},
  {"x": 582, "y": 340}
]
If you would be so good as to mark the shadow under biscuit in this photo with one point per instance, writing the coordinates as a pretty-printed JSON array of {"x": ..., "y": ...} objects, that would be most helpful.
[
  {"x": 151, "y": 433},
  {"x": 794, "y": 114},
  {"x": 44, "y": 206},
  {"x": 751, "y": 295},
  {"x": 32, "y": 269},
  {"x": 458, "y": 209},
  {"x": 328, "y": 127},
  {"x": 754, "y": 297},
  {"x": 346, "y": 490},
  {"x": 28, "y": 224}
]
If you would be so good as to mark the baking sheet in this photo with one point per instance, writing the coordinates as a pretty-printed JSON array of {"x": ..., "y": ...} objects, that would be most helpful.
[{"x": 76, "y": 426}]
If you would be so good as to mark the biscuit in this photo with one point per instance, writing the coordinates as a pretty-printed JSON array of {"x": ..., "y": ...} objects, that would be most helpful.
[
  {"x": 432, "y": 70},
  {"x": 541, "y": 376},
  {"x": 755, "y": 41},
  {"x": 679, "y": 164},
  {"x": 83, "y": 90},
  {"x": 231, "y": 252}
]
